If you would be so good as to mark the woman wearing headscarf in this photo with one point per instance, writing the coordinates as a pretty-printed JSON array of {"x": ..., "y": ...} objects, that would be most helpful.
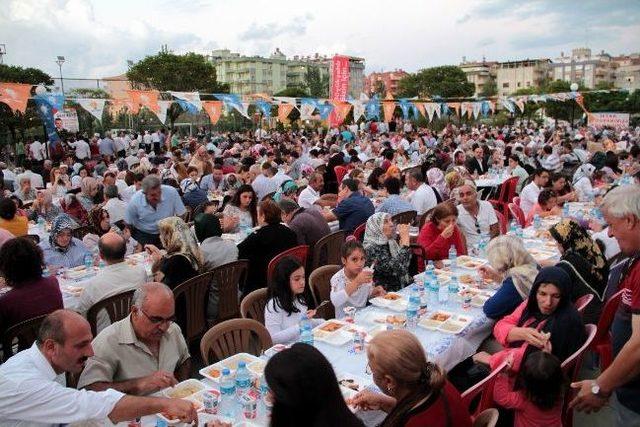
[
  {"x": 25, "y": 192},
  {"x": 62, "y": 250},
  {"x": 582, "y": 184},
  {"x": 192, "y": 195},
  {"x": 512, "y": 265},
  {"x": 546, "y": 320},
  {"x": 435, "y": 177},
  {"x": 288, "y": 189},
  {"x": 390, "y": 259},
  {"x": 71, "y": 206},
  {"x": 453, "y": 180},
  {"x": 100, "y": 223},
  {"x": 215, "y": 252},
  {"x": 584, "y": 262},
  {"x": 183, "y": 259},
  {"x": 88, "y": 189},
  {"x": 43, "y": 206}
]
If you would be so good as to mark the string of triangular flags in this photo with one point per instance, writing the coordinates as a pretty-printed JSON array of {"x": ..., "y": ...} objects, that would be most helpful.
[{"x": 16, "y": 96}]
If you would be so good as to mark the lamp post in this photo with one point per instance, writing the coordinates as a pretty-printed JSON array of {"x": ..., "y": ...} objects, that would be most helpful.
[
  {"x": 574, "y": 88},
  {"x": 60, "y": 61}
]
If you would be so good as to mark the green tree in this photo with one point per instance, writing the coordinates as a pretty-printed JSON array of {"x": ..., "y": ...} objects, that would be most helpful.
[
  {"x": 603, "y": 85},
  {"x": 294, "y": 92},
  {"x": 490, "y": 88},
  {"x": 446, "y": 81},
  {"x": 317, "y": 84},
  {"x": 167, "y": 71},
  {"x": 18, "y": 122},
  {"x": 380, "y": 89}
]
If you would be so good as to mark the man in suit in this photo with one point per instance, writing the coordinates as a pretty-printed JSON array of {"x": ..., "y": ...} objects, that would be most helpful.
[{"x": 478, "y": 162}]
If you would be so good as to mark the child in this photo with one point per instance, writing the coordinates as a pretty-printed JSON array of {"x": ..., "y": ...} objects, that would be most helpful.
[
  {"x": 286, "y": 302},
  {"x": 353, "y": 285},
  {"x": 537, "y": 395},
  {"x": 547, "y": 206}
]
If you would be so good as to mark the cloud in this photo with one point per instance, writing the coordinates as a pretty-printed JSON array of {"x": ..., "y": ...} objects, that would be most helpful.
[
  {"x": 297, "y": 26},
  {"x": 487, "y": 41},
  {"x": 463, "y": 19}
]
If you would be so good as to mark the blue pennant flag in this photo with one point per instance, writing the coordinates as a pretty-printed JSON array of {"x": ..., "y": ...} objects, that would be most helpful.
[
  {"x": 416, "y": 112},
  {"x": 372, "y": 109},
  {"x": 485, "y": 108},
  {"x": 187, "y": 106},
  {"x": 230, "y": 100},
  {"x": 55, "y": 100},
  {"x": 264, "y": 107},
  {"x": 445, "y": 109},
  {"x": 405, "y": 106},
  {"x": 325, "y": 109},
  {"x": 45, "y": 111}
]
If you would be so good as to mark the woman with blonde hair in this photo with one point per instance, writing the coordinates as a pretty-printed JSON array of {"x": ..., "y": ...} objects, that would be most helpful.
[
  {"x": 183, "y": 259},
  {"x": 416, "y": 392},
  {"x": 89, "y": 187},
  {"x": 512, "y": 265}
]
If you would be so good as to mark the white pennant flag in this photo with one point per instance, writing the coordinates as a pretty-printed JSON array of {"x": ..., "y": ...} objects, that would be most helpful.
[
  {"x": 245, "y": 110},
  {"x": 431, "y": 108},
  {"x": 94, "y": 106},
  {"x": 477, "y": 107},
  {"x": 306, "y": 111},
  {"x": 191, "y": 97},
  {"x": 162, "y": 113},
  {"x": 358, "y": 109}
]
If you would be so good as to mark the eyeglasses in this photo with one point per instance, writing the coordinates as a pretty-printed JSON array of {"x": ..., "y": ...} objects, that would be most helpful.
[
  {"x": 478, "y": 228},
  {"x": 157, "y": 319}
]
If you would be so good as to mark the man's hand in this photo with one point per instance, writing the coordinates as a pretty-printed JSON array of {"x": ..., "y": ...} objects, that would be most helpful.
[
  {"x": 156, "y": 381},
  {"x": 180, "y": 409},
  {"x": 586, "y": 401}
]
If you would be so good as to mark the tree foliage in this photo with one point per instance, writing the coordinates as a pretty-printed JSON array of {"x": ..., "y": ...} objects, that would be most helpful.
[
  {"x": 490, "y": 88},
  {"x": 379, "y": 88},
  {"x": 16, "y": 74},
  {"x": 446, "y": 81},
  {"x": 317, "y": 84},
  {"x": 88, "y": 93},
  {"x": 294, "y": 92}
]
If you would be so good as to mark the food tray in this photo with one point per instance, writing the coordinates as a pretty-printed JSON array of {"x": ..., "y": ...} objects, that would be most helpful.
[
  {"x": 434, "y": 320},
  {"x": 455, "y": 325},
  {"x": 230, "y": 362},
  {"x": 479, "y": 300},
  {"x": 469, "y": 263},
  {"x": 270, "y": 352},
  {"x": 184, "y": 389}
]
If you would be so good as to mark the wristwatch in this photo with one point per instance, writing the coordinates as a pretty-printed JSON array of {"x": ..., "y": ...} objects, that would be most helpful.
[{"x": 595, "y": 390}]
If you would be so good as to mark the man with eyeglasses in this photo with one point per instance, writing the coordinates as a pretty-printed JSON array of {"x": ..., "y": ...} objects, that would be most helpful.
[
  {"x": 475, "y": 217},
  {"x": 142, "y": 353}
]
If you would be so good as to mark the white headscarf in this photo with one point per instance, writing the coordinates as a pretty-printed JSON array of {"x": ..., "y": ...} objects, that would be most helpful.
[
  {"x": 373, "y": 234},
  {"x": 584, "y": 171}
]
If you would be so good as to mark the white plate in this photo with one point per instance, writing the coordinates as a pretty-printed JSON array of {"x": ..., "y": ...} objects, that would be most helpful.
[
  {"x": 463, "y": 260},
  {"x": 194, "y": 387},
  {"x": 428, "y": 323},
  {"x": 455, "y": 326},
  {"x": 229, "y": 362},
  {"x": 321, "y": 331},
  {"x": 384, "y": 302},
  {"x": 270, "y": 352}
]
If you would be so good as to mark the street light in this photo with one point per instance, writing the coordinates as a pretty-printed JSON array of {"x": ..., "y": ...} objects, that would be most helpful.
[
  {"x": 60, "y": 61},
  {"x": 574, "y": 88}
]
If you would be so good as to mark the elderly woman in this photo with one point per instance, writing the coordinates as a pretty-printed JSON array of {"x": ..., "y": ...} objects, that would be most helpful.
[
  {"x": 43, "y": 206},
  {"x": 511, "y": 265},
  {"x": 15, "y": 224},
  {"x": 100, "y": 223},
  {"x": 62, "y": 250},
  {"x": 416, "y": 392},
  {"x": 390, "y": 258},
  {"x": 25, "y": 192},
  {"x": 584, "y": 261},
  {"x": 183, "y": 259},
  {"x": 89, "y": 187}
]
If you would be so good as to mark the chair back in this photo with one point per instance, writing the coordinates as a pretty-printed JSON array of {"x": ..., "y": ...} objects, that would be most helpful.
[
  {"x": 517, "y": 213},
  {"x": 80, "y": 232},
  {"x": 358, "y": 232},
  {"x": 320, "y": 285},
  {"x": 606, "y": 318},
  {"x": 516, "y": 200},
  {"x": 571, "y": 367},
  {"x": 483, "y": 388},
  {"x": 193, "y": 293},
  {"x": 229, "y": 278},
  {"x": 299, "y": 252},
  {"x": 252, "y": 306},
  {"x": 340, "y": 171},
  {"x": 508, "y": 190},
  {"x": 232, "y": 337},
  {"x": 117, "y": 307},
  {"x": 502, "y": 221},
  {"x": 487, "y": 418},
  {"x": 404, "y": 217},
  {"x": 34, "y": 237},
  {"x": 25, "y": 333},
  {"x": 582, "y": 302},
  {"x": 327, "y": 250}
]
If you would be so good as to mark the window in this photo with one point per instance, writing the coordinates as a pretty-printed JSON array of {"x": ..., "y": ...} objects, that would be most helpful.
[
  {"x": 528, "y": 84},
  {"x": 519, "y": 84},
  {"x": 505, "y": 85}
]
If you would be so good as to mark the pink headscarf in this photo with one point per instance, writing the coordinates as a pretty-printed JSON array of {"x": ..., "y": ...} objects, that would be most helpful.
[{"x": 435, "y": 177}]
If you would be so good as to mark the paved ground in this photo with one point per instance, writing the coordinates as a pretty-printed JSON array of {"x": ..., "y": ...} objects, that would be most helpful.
[{"x": 604, "y": 418}]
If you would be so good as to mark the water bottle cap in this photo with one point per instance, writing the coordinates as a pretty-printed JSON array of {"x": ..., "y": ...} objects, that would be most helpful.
[
  {"x": 242, "y": 364},
  {"x": 226, "y": 371},
  {"x": 306, "y": 327}
]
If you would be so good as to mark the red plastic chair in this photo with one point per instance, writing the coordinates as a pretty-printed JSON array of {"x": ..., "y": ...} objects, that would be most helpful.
[
  {"x": 571, "y": 366},
  {"x": 507, "y": 193},
  {"x": 358, "y": 233},
  {"x": 602, "y": 342},
  {"x": 340, "y": 171},
  {"x": 516, "y": 201},
  {"x": 582, "y": 302},
  {"x": 502, "y": 220},
  {"x": 299, "y": 252},
  {"x": 518, "y": 214},
  {"x": 485, "y": 388}
]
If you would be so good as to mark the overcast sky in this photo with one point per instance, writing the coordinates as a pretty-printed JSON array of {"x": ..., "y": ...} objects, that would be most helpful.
[{"x": 98, "y": 36}]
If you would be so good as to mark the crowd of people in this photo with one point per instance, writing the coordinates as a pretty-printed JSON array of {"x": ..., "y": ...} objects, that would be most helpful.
[{"x": 176, "y": 198}]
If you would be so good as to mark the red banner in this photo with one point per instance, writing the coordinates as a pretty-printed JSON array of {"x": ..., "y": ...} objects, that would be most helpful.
[
  {"x": 15, "y": 95},
  {"x": 339, "y": 84}
]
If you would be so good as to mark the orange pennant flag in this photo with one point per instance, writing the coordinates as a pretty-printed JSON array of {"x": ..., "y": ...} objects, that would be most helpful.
[
  {"x": 15, "y": 95},
  {"x": 341, "y": 110},
  {"x": 388, "y": 108},
  {"x": 213, "y": 109},
  {"x": 580, "y": 102},
  {"x": 283, "y": 111},
  {"x": 455, "y": 106},
  {"x": 146, "y": 98},
  {"x": 117, "y": 105}
]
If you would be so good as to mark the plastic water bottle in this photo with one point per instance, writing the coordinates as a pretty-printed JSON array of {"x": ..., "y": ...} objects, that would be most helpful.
[
  {"x": 482, "y": 245},
  {"x": 565, "y": 210},
  {"x": 306, "y": 337},
  {"x": 537, "y": 222},
  {"x": 424, "y": 298},
  {"x": 453, "y": 256},
  {"x": 243, "y": 379},
  {"x": 429, "y": 268},
  {"x": 41, "y": 224},
  {"x": 453, "y": 288},
  {"x": 228, "y": 394},
  {"x": 304, "y": 321},
  {"x": 88, "y": 261},
  {"x": 512, "y": 228},
  {"x": 412, "y": 309},
  {"x": 443, "y": 295},
  {"x": 434, "y": 289}
]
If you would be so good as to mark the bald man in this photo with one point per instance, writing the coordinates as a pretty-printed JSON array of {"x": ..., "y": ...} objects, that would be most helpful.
[
  {"x": 33, "y": 388},
  {"x": 142, "y": 353},
  {"x": 115, "y": 278}
]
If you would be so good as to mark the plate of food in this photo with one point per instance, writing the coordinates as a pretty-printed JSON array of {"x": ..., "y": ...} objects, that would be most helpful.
[
  {"x": 353, "y": 382},
  {"x": 389, "y": 299},
  {"x": 455, "y": 324},
  {"x": 79, "y": 272},
  {"x": 434, "y": 320},
  {"x": 479, "y": 300},
  {"x": 184, "y": 389},
  {"x": 470, "y": 263},
  {"x": 466, "y": 279},
  {"x": 214, "y": 372},
  {"x": 257, "y": 367}
]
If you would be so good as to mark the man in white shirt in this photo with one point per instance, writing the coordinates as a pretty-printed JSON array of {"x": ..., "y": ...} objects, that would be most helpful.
[
  {"x": 310, "y": 196},
  {"x": 36, "y": 179},
  {"x": 147, "y": 141},
  {"x": 115, "y": 278},
  {"x": 476, "y": 218},
  {"x": 38, "y": 150},
  {"x": 264, "y": 183},
  {"x": 423, "y": 197},
  {"x": 114, "y": 205},
  {"x": 131, "y": 190},
  {"x": 83, "y": 151},
  {"x": 530, "y": 192},
  {"x": 33, "y": 388}
]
